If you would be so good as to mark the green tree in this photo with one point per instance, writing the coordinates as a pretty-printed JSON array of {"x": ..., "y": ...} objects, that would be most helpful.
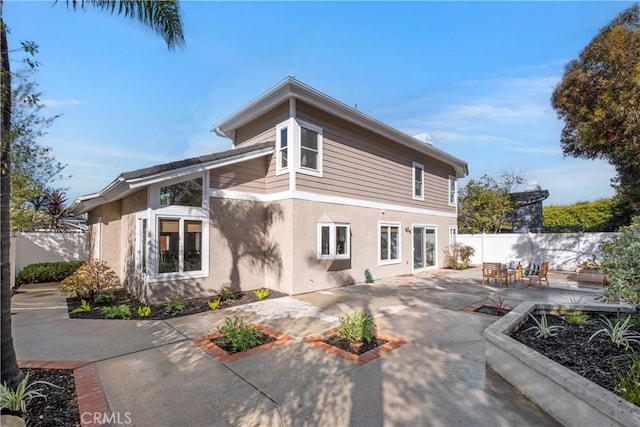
[
  {"x": 484, "y": 205},
  {"x": 162, "y": 17},
  {"x": 599, "y": 101}
]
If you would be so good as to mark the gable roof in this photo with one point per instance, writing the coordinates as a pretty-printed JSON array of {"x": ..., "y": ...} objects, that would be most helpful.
[
  {"x": 129, "y": 182},
  {"x": 292, "y": 88}
]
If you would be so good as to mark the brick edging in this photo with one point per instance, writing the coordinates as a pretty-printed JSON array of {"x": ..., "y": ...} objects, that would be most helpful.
[
  {"x": 392, "y": 343},
  {"x": 204, "y": 342},
  {"x": 89, "y": 392}
]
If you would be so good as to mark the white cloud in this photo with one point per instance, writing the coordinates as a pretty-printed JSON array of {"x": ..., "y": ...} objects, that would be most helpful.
[{"x": 52, "y": 103}]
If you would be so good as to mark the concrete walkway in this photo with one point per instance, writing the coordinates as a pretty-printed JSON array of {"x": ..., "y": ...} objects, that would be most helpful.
[{"x": 153, "y": 374}]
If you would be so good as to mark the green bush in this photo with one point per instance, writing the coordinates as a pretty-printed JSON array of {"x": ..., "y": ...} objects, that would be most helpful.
[
  {"x": 174, "y": 307},
  {"x": 47, "y": 272},
  {"x": 91, "y": 278},
  {"x": 621, "y": 264},
  {"x": 629, "y": 381},
  {"x": 103, "y": 298},
  {"x": 357, "y": 327},
  {"x": 228, "y": 292},
  {"x": 457, "y": 256},
  {"x": 121, "y": 311},
  {"x": 238, "y": 335}
]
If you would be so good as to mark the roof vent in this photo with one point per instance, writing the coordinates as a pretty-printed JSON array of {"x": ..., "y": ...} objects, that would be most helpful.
[{"x": 424, "y": 137}]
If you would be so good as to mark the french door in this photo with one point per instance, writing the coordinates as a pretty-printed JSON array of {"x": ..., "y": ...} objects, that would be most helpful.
[{"x": 424, "y": 247}]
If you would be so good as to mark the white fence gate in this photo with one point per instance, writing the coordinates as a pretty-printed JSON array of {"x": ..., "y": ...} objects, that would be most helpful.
[
  {"x": 31, "y": 248},
  {"x": 564, "y": 251}
]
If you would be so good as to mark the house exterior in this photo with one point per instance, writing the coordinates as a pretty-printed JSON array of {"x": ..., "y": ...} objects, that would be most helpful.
[
  {"x": 527, "y": 216},
  {"x": 312, "y": 193}
]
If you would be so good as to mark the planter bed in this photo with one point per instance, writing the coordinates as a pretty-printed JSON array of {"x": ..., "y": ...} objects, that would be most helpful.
[{"x": 562, "y": 393}]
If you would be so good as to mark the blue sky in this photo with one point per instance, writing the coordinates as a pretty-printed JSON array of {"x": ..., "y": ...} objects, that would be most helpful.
[{"x": 477, "y": 76}]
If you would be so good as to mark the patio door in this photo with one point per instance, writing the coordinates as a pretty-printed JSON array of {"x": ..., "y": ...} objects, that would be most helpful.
[{"x": 424, "y": 247}]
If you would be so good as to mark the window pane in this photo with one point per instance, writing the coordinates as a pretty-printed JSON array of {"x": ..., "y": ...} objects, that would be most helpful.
[
  {"x": 341, "y": 240},
  {"x": 309, "y": 159},
  {"x": 283, "y": 138},
  {"x": 168, "y": 245},
  {"x": 193, "y": 245},
  {"x": 384, "y": 243},
  {"x": 452, "y": 190},
  {"x": 188, "y": 193},
  {"x": 430, "y": 247},
  {"x": 308, "y": 139},
  {"x": 284, "y": 148},
  {"x": 143, "y": 246},
  {"x": 418, "y": 255},
  {"x": 417, "y": 187},
  {"x": 393, "y": 240},
  {"x": 325, "y": 240}
]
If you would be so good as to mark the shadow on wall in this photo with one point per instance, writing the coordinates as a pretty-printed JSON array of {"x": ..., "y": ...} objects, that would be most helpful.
[
  {"x": 335, "y": 272},
  {"x": 246, "y": 227}
]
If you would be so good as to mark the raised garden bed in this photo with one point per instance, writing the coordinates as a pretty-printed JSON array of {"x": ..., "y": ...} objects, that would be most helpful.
[{"x": 566, "y": 395}]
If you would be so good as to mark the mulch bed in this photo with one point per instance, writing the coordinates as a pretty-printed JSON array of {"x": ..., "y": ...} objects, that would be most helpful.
[
  {"x": 221, "y": 342},
  {"x": 571, "y": 348},
  {"x": 352, "y": 348},
  {"x": 492, "y": 310},
  {"x": 61, "y": 406},
  {"x": 191, "y": 306}
]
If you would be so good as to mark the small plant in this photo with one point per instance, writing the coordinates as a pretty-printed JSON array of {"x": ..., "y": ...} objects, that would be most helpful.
[
  {"x": 174, "y": 307},
  {"x": 589, "y": 264},
  {"x": 357, "y": 327},
  {"x": 103, "y": 298},
  {"x": 238, "y": 335},
  {"x": 576, "y": 318},
  {"x": 620, "y": 333},
  {"x": 499, "y": 304},
  {"x": 213, "y": 304},
  {"x": 457, "y": 256},
  {"x": 228, "y": 292},
  {"x": 368, "y": 277},
  {"x": 542, "y": 328},
  {"x": 84, "y": 306},
  {"x": 18, "y": 400},
  {"x": 261, "y": 293},
  {"x": 144, "y": 311},
  {"x": 121, "y": 311},
  {"x": 629, "y": 382}
]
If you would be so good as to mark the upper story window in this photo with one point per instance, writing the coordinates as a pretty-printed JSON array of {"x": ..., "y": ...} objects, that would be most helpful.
[
  {"x": 453, "y": 191},
  {"x": 418, "y": 181},
  {"x": 298, "y": 147},
  {"x": 185, "y": 193},
  {"x": 334, "y": 241},
  {"x": 282, "y": 148}
]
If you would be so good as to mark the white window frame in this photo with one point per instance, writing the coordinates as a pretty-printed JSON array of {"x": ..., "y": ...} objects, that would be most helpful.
[
  {"x": 379, "y": 234},
  {"x": 332, "y": 240},
  {"x": 454, "y": 180},
  {"x": 182, "y": 213},
  {"x": 302, "y": 169},
  {"x": 453, "y": 234},
  {"x": 414, "y": 166},
  {"x": 280, "y": 170},
  {"x": 424, "y": 227},
  {"x": 142, "y": 244}
]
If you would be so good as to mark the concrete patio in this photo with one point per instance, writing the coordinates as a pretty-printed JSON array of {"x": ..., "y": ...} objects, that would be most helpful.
[{"x": 152, "y": 371}]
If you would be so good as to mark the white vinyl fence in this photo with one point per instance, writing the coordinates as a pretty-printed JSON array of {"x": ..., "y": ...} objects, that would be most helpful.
[
  {"x": 564, "y": 251},
  {"x": 31, "y": 248}
]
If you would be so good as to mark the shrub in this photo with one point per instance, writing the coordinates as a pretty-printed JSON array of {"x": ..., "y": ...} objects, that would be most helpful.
[
  {"x": 47, "y": 272},
  {"x": 84, "y": 306},
  {"x": 18, "y": 400},
  {"x": 357, "y": 327},
  {"x": 261, "y": 293},
  {"x": 121, "y": 311},
  {"x": 214, "y": 304},
  {"x": 621, "y": 264},
  {"x": 228, "y": 292},
  {"x": 542, "y": 328},
  {"x": 629, "y": 381},
  {"x": 91, "y": 278},
  {"x": 238, "y": 335},
  {"x": 368, "y": 277},
  {"x": 174, "y": 307},
  {"x": 577, "y": 318},
  {"x": 457, "y": 256},
  {"x": 103, "y": 298}
]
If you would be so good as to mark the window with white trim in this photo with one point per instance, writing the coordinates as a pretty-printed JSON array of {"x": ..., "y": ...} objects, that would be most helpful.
[
  {"x": 310, "y": 138},
  {"x": 453, "y": 235},
  {"x": 184, "y": 193},
  {"x": 334, "y": 240},
  {"x": 418, "y": 181},
  {"x": 453, "y": 191},
  {"x": 388, "y": 243},
  {"x": 282, "y": 147},
  {"x": 179, "y": 243}
]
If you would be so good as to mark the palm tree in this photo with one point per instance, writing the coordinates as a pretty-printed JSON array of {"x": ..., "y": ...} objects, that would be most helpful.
[{"x": 163, "y": 17}]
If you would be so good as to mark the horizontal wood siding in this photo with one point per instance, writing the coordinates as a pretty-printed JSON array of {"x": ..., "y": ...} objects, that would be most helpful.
[
  {"x": 275, "y": 183},
  {"x": 359, "y": 164},
  {"x": 247, "y": 176},
  {"x": 263, "y": 128}
]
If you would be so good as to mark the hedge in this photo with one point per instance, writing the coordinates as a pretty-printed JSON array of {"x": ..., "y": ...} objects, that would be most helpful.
[{"x": 44, "y": 272}]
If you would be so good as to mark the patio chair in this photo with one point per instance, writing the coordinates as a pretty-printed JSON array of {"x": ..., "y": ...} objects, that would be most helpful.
[
  {"x": 536, "y": 271},
  {"x": 495, "y": 271}
]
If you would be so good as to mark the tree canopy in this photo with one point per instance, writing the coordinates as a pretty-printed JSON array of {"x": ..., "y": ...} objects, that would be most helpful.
[{"x": 599, "y": 101}]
